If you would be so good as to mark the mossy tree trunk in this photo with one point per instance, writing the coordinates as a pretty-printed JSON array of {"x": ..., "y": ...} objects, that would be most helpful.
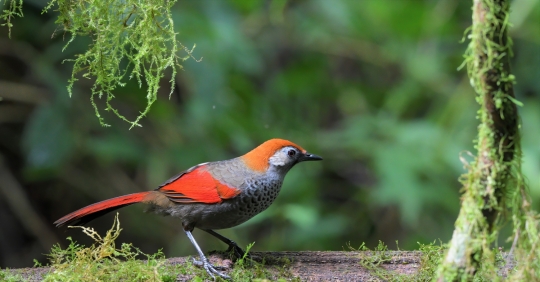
[{"x": 493, "y": 184}]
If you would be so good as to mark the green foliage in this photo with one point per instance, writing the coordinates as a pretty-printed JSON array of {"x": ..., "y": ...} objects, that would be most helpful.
[
  {"x": 14, "y": 9},
  {"x": 130, "y": 39}
]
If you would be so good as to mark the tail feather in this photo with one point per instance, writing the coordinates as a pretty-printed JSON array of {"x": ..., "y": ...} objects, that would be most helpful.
[{"x": 91, "y": 212}]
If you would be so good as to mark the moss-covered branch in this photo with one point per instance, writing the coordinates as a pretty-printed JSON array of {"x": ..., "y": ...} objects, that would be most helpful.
[{"x": 493, "y": 184}]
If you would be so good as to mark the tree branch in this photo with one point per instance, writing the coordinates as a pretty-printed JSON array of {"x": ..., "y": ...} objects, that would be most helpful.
[{"x": 486, "y": 184}]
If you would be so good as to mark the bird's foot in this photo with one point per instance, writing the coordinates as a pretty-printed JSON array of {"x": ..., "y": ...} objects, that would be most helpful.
[
  {"x": 237, "y": 252},
  {"x": 211, "y": 269}
]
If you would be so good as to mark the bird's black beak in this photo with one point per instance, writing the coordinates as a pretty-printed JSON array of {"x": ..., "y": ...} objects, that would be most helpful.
[{"x": 309, "y": 157}]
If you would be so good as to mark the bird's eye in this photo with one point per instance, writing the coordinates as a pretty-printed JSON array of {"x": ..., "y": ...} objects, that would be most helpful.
[{"x": 291, "y": 153}]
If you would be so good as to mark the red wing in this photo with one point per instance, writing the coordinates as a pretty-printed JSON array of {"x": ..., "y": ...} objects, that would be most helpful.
[{"x": 197, "y": 185}]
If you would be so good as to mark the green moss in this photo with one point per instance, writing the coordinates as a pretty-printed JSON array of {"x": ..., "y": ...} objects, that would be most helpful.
[
  {"x": 247, "y": 269},
  {"x": 130, "y": 40},
  {"x": 103, "y": 261},
  {"x": 494, "y": 189},
  {"x": 7, "y": 276},
  {"x": 432, "y": 255},
  {"x": 373, "y": 260}
]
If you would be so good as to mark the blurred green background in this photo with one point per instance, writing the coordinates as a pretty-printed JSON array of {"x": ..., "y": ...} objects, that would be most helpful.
[{"x": 370, "y": 85}]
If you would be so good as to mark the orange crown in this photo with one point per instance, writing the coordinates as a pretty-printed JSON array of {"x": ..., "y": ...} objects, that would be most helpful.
[{"x": 257, "y": 159}]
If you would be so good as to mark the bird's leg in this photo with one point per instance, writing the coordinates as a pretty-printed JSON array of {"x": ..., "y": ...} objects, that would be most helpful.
[
  {"x": 204, "y": 261},
  {"x": 237, "y": 251}
]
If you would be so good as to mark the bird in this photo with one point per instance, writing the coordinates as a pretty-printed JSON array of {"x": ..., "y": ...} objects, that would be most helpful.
[{"x": 213, "y": 195}]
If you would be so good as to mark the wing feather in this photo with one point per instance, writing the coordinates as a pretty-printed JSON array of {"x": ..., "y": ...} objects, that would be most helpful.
[{"x": 197, "y": 185}]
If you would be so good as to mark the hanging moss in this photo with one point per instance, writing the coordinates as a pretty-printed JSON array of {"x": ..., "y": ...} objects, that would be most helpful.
[{"x": 131, "y": 39}]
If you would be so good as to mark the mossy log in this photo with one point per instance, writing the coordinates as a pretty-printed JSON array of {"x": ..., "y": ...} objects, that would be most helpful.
[{"x": 306, "y": 266}]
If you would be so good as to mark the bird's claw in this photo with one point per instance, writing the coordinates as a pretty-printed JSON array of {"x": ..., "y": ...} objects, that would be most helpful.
[
  {"x": 237, "y": 251},
  {"x": 211, "y": 269}
]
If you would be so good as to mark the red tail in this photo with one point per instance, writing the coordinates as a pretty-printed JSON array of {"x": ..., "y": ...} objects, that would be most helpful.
[{"x": 91, "y": 212}]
